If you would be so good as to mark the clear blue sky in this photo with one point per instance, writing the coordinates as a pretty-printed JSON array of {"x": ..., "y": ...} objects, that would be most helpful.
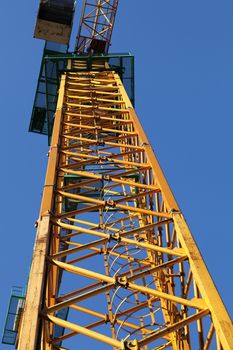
[{"x": 184, "y": 88}]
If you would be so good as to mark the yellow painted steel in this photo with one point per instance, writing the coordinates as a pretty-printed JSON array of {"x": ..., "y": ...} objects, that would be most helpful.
[{"x": 112, "y": 244}]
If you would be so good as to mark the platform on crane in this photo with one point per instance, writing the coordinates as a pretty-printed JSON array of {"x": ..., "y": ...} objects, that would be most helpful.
[
  {"x": 46, "y": 92},
  {"x": 54, "y": 62},
  {"x": 54, "y": 20},
  {"x": 13, "y": 315}
]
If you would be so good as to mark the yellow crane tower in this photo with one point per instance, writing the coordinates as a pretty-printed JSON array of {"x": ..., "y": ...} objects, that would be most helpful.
[{"x": 114, "y": 260}]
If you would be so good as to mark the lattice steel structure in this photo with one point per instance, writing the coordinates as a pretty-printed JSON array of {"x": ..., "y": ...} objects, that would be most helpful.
[
  {"x": 114, "y": 261},
  {"x": 96, "y": 26}
]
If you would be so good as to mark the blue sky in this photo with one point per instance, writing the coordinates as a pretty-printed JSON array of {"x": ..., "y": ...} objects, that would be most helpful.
[{"x": 184, "y": 87}]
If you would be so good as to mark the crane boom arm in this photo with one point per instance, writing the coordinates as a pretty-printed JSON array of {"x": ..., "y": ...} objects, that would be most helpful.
[{"x": 96, "y": 26}]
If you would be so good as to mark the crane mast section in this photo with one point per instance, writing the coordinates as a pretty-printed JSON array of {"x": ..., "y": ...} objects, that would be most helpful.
[
  {"x": 114, "y": 260},
  {"x": 96, "y": 26}
]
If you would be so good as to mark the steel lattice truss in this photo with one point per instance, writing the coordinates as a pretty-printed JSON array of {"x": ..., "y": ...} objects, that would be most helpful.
[
  {"x": 96, "y": 26},
  {"x": 120, "y": 256}
]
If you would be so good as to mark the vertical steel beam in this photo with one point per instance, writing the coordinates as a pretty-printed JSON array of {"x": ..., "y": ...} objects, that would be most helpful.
[
  {"x": 221, "y": 319},
  {"x": 28, "y": 337}
]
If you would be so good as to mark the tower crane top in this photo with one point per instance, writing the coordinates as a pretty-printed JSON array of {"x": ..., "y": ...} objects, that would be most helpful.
[
  {"x": 55, "y": 19},
  {"x": 54, "y": 25}
]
